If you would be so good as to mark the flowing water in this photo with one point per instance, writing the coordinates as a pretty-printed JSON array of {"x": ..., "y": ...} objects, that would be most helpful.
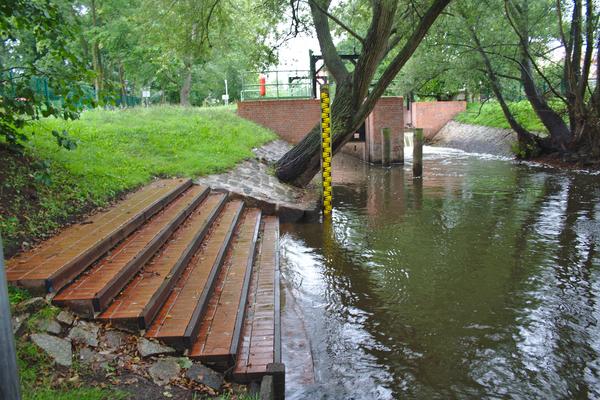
[{"x": 481, "y": 280}]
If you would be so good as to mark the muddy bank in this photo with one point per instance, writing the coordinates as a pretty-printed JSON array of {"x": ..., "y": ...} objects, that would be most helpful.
[{"x": 476, "y": 139}]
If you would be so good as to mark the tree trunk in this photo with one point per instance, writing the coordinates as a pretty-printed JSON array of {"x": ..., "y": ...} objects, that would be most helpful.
[
  {"x": 96, "y": 56},
  {"x": 353, "y": 102},
  {"x": 123, "y": 87},
  {"x": 299, "y": 165},
  {"x": 186, "y": 86},
  {"x": 560, "y": 134},
  {"x": 527, "y": 141}
]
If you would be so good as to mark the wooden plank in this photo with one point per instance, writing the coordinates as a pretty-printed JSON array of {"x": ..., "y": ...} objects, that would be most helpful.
[
  {"x": 220, "y": 329},
  {"x": 137, "y": 305},
  {"x": 56, "y": 262},
  {"x": 93, "y": 290},
  {"x": 178, "y": 321},
  {"x": 259, "y": 345}
]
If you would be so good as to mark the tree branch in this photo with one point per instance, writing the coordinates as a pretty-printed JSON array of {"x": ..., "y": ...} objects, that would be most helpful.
[
  {"x": 332, "y": 59},
  {"x": 525, "y": 48},
  {"x": 338, "y": 21},
  {"x": 434, "y": 10}
]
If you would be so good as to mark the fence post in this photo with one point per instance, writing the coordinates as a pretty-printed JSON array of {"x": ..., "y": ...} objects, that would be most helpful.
[
  {"x": 9, "y": 377},
  {"x": 418, "y": 153}
]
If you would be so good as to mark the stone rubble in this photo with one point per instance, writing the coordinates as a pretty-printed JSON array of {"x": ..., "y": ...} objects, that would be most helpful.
[
  {"x": 58, "y": 349},
  {"x": 30, "y": 306},
  {"x": 148, "y": 348},
  {"x": 164, "y": 370},
  {"x": 50, "y": 326},
  {"x": 205, "y": 376},
  {"x": 85, "y": 333},
  {"x": 66, "y": 318},
  {"x": 254, "y": 180},
  {"x": 18, "y": 323}
]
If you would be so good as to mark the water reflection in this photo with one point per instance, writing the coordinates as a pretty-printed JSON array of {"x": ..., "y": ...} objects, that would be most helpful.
[{"x": 480, "y": 280}]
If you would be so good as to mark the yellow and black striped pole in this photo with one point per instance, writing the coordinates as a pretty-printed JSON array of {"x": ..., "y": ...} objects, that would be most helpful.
[{"x": 326, "y": 148}]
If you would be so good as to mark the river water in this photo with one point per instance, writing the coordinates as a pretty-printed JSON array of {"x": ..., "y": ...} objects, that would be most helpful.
[{"x": 481, "y": 280}]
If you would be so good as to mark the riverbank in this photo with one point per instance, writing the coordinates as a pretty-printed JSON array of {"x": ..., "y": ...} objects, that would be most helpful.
[
  {"x": 117, "y": 151},
  {"x": 500, "y": 142},
  {"x": 476, "y": 139}
]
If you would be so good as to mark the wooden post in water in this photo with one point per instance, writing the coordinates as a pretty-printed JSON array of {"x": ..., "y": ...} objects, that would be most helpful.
[
  {"x": 401, "y": 147},
  {"x": 9, "y": 377},
  {"x": 387, "y": 147},
  {"x": 418, "y": 153}
]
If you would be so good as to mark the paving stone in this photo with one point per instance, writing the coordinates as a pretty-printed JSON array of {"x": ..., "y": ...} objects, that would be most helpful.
[
  {"x": 164, "y": 371},
  {"x": 254, "y": 180},
  {"x": 50, "y": 326},
  {"x": 114, "y": 339},
  {"x": 65, "y": 317},
  {"x": 31, "y": 305},
  {"x": 58, "y": 349},
  {"x": 85, "y": 333},
  {"x": 205, "y": 376},
  {"x": 148, "y": 348},
  {"x": 18, "y": 323}
]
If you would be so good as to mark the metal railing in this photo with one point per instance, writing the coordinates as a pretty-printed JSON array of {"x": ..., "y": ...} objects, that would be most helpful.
[{"x": 285, "y": 84}]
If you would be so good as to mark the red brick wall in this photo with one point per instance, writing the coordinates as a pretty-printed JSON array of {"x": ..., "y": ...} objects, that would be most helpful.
[
  {"x": 290, "y": 119},
  {"x": 432, "y": 116},
  {"x": 293, "y": 119},
  {"x": 388, "y": 113}
]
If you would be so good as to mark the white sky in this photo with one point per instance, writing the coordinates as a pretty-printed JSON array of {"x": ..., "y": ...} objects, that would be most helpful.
[{"x": 294, "y": 54}]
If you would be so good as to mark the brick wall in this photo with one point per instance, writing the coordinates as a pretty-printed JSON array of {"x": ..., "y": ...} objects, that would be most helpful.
[
  {"x": 432, "y": 116},
  {"x": 293, "y": 119},
  {"x": 388, "y": 113},
  {"x": 290, "y": 119}
]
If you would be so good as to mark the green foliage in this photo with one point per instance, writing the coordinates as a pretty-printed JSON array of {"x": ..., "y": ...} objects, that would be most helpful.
[
  {"x": 34, "y": 39},
  {"x": 17, "y": 295},
  {"x": 490, "y": 114},
  {"x": 118, "y": 151}
]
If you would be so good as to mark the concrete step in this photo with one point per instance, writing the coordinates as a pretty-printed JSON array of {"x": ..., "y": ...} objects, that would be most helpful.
[
  {"x": 137, "y": 305},
  {"x": 56, "y": 262},
  {"x": 219, "y": 334},
  {"x": 178, "y": 321},
  {"x": 259, "y": 353},
  {"x": 93, "y": 291}
]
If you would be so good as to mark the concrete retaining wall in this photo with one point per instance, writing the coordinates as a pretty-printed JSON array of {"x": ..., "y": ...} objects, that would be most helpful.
[{"x": 476, "y": 139}]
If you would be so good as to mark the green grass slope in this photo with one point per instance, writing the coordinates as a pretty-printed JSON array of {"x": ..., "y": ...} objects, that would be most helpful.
[
  {"x": 491, "y": 115},
  {"x": 116, "y": 151}
]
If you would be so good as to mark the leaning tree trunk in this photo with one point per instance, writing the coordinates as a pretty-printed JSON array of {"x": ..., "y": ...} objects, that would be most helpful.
[
  {"x": 354, "y": 100},
  {"x": 186, "y": 86},
  {"x": 528, "y": 143},
  {"x": 299, "y": 165}
]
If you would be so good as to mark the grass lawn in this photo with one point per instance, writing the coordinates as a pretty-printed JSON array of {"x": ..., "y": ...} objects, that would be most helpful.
[
  {"x": 491, "y": 115},
  {"x": 116, "y": 151}
]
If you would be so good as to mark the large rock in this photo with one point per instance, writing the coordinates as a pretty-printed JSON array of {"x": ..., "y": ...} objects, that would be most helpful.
[
  {"x": 148, "y": 348},
  {"x": 85, "y": 333},
  {"x": 58, "y": 349},
  {"x": 205, "y": 376},
  {"x": 31, "y": 305},
  {"x": 49, "y": 325},
  {"x": 164, "y": 371}
]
